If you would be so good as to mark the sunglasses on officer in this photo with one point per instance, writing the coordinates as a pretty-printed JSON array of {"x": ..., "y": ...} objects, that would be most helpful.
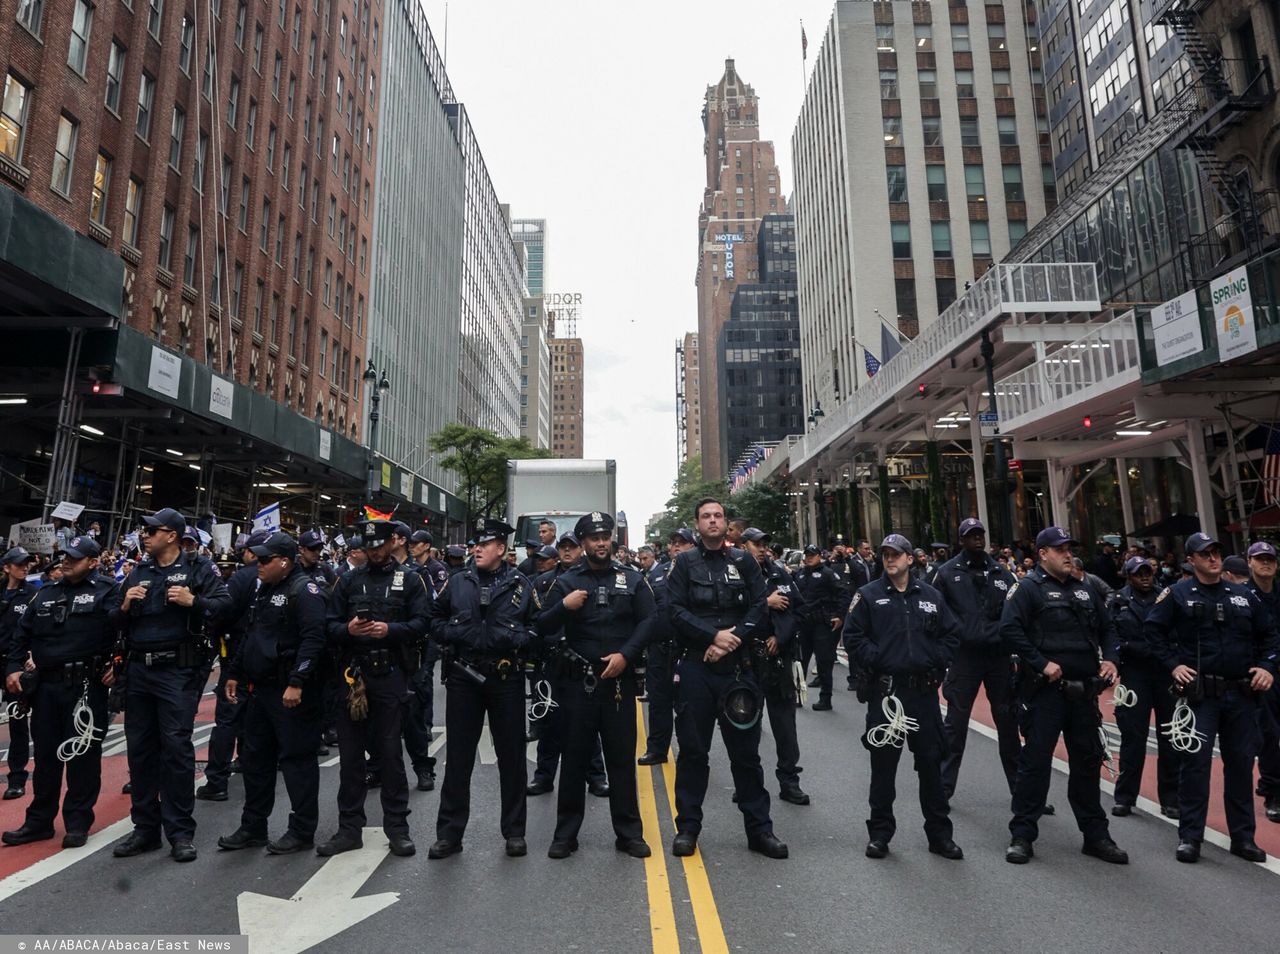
[{"x": 148, "y": 531}]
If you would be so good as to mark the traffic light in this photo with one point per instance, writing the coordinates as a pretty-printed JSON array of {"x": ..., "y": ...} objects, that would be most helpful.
[
  {"x": 920, "y": 388},
  {"x": 1088, "y": 421},
  {"x": 107, "y": 388}
]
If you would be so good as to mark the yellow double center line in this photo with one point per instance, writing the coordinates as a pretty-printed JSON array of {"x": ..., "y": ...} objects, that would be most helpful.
[{"x": 662, "y": 920}]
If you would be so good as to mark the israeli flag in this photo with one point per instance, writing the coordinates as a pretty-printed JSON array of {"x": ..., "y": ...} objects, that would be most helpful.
[{"x": 268, "y": 518}]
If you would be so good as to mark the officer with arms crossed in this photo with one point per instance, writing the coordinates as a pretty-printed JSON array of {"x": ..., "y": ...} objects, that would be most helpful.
[
  {"x": 67, "y": 632},
  {"x": 774, "y": 668},
  {"x": 377, "y": 616},
  {"x": 1144, "y": 676},
  {"x": 1066, "y": 644},
  {"x": 169, "y": 599},
  {"x": 975, "y": 586},
  {"x": 483, "y": 621},
  {"x": 1220, "y": 645},
  {"x": 901, "y": 635},
  {"x": 717, "y": 607},
  {"x": 605, "y": 611},
  {"x": 276, "y": 669}
]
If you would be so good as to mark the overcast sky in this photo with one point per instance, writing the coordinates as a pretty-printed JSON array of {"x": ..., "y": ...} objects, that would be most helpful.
[{"x": 589, "y": 115}]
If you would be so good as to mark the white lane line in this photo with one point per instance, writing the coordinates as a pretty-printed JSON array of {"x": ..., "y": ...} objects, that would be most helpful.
[{"x": 432, "y": 749}]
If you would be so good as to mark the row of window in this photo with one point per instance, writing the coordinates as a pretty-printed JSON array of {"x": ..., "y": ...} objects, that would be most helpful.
[
  {"x": 931, "y": 130},
  {"x": 961, "y": 42},
  {"x": 940, "y": 232},
  {"x": 974, "y": 182},
  {"x": 927, "y": 79}
]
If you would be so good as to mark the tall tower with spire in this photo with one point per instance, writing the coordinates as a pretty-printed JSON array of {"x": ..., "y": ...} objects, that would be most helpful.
[{"x": 742, "y": 187}]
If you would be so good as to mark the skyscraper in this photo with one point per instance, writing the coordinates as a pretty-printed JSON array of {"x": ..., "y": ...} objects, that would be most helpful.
[
  {"x": 533, "y": 233},
  {"x": 741, "y": 188},
  {"x": 688, "y": 399},
  {"x": 535, "y": 375}
]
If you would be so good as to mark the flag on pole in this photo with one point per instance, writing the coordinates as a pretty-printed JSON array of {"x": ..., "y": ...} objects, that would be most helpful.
[
  {"x": 371, "y": 514},
  {"x": 268, "y": 518},
  {"x": 1271, "y": 467},
  {"x": 804, "y": 43},
  {"x": 873, "y": 364},
  {"x": 889, "y": 344}
]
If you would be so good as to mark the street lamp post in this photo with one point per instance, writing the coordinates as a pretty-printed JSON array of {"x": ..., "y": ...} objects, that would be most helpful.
[{"x": 377, "y": 390}]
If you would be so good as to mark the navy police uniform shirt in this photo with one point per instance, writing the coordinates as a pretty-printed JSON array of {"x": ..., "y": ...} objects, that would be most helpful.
[
  {"x": 13, "y": 605},
  {"x": 391, "y": 594},
  {"x": 822, "y": 591},
  {"x": 285, "y": 636},
  {"x": 899, "y": 633},
  {"x": 975, "y": 589},
  {"x": 1130, "y": 612},
  {"x": 485, "y": 616},
  {"x": 616, "y": 618},
  {"x": 782, "y": 625},
  {"x": 1045, "y": 619},
  {"x": 66, "y": 622},
  {"x": 154, "y": 622},
  {"x": 1218, "y": 629},
  {"x": 711, "y": 590}
]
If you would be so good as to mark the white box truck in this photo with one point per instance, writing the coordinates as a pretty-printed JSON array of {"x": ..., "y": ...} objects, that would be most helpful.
[{"x": 557, "y": 490}]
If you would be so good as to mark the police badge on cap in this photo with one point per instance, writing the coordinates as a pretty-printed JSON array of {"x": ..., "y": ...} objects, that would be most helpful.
[
  {"x": 376, "y": 532},
  {"x": 594, "y": 522},
  {"x": 494, "y": 530}
]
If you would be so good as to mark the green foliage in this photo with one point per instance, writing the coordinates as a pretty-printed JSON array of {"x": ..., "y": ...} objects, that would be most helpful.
[
  {"x": 479, "y": 458},
  {"x": 763, "y": 507}
]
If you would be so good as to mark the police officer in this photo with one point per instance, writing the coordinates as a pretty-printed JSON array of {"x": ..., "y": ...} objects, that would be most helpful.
[
  {"x": 1144, "y": 676},
  {"x": 311, "y": 559},
  {"x": 1262, "y": 573},
  {"x": 277, "y": 667},
  {"x": 355, "y": 557},
  {"x": 604, "y": 611},
  {"x": 378, "y": 614},
  {"x": 1220, "y": 645},
  {"x": 67, "y": 633},
  {"x": 228, "y": 716},
  {"x": 717, "y": 599},
  {"x": 15, "y": 596},
  {"x": 974, "y": 587},
  {"x": 455, "y": 558},
  {"x": 168, "y": 602},
  {"x": 434, "y": 573},
  {"x": 659, "y": 661},
  {"x": 1067, "y": 646},
  {"x": 774, "y": 666},
  {"x": 422, "y": 707},
  {"x": 483, "y": 621},
  {"x": 820, "y": 590},
  {"x": 901, "y": 636}
]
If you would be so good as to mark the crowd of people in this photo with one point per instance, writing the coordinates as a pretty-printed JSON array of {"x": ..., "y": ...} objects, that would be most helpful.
[{"x": 317, "y": 645}]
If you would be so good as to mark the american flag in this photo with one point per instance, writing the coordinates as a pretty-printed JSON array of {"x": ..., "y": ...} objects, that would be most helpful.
[
  {"x": 804, "y": 42},
  {"x": 873, "y": 363},
  {"x": 1271, "y": 467}
]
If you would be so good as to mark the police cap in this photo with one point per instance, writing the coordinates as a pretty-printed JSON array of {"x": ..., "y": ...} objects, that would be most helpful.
[
  {"x": 1053, "y": 537},
  {"x": 168, "y": 517},
  {"x": 278, "y": 544},
  {"x": 494, "y": 530},
  {"x": 1133, "y": 566},
  {"x": 422, "y": 536},
  {"x": 1199, "y": 542},
  {"x": 755, "y": 535},
  {"x": 594, "y": 522},
  {"x": 971, "y": 525},
  {"x": 896, "y": 541},
  {"x": 377, "y": 532},
  {"x": 81, "y": 547},
  {"x": 1262, "y": 549},
  {"x": 311, "y": 540}
]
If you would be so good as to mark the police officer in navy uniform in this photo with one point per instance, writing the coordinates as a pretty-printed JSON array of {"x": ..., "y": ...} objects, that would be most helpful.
[
  {"x": 1221, "y": 647},
  {"x": 14, "y": 598},
  {"x": 377, "y": 616},
  {"x": 974, "y": 587},
  {"x": 311, "y": 560},
  {"x": 1144, "y": 676},
  {"x": 455, "y": 558},
  {"x": 820, "y": 589},
  {"x": 483, "y": 621},
  {"x": 67, "y": 632},
  {"x": 168, "y": 602},
  {"x": 718, "y": 607},
  {"x": 901, "y": 635},
  {"x": 1262, "y": 580},
  {"x": 659, "y": 662},
  {"x": 775, "y": 663},
  {"x": 433, "y": 571},
  {"x": 277, "y": 669},
  {"x": 1066, "y": 643},
  {"x": 604, "y": 611}
]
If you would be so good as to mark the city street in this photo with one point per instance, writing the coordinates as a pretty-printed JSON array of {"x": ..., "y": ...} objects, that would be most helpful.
[{"x": 825, "y": 897}]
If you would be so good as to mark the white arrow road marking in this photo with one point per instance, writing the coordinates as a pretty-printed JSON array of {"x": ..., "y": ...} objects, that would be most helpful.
[{"x": 323, "y": 907}]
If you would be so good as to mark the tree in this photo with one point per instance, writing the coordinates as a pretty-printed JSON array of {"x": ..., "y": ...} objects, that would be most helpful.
[
  {"x": 688, "y": 489},
  {"x": 764, "y": 507},
  {"x": 479, "y": 459}
]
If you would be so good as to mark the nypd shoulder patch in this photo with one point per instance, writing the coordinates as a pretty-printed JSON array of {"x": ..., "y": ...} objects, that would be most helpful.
[
  {"x": 1163, "y": 594},
  {"x": 1013, "y": 589}
]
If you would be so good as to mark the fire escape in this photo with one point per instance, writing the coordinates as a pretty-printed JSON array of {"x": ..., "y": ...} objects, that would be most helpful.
[{"x": 1223, "y": 95}]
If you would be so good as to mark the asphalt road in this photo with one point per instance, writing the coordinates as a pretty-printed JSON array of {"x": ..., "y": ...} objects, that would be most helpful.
[{"x": 826, "y": 897}]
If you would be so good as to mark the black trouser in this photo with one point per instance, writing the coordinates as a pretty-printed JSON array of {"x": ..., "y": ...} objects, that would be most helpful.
[
  {"x": 19, "y": 745},
  {"x": 780, "y": 704},
  {"x": 606, "y": 715},
  {"x": 1231, "y": 719},
  {"x": 277, "y": 737},
  {"x": 551, "y": 732},
  {"x": 379, "y": 733},
  {"x": 52, "y": 724},
  {"x": 466, "y": 705},
  {"x": 1150, "y": 682},
  {"x": 818, "y": 641},
  {"x": 160, "y": 711},
  {"x": 698, "y": 708},
  {"x": 1269, "y": 753},
  {"x": 970, "y": 670},
  {"x": 927, "y": 745},
  {"x": 417, "y": 723},
  {"x": 659, "y": 688},
  {"x": 228, "y": 727},
  {"x": 1047, "y": 715}
]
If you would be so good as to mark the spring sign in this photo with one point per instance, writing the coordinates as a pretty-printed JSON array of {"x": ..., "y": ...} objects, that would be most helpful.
[{"x": 1233, "y": 314}]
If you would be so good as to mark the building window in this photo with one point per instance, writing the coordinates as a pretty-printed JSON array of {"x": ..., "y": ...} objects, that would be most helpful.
[
  {"x": 224, "y": 187},
  {"x": 328, "y": 283},
  {"x": 257, "y": 309},
  {"x": 941, "y": 232},
  {"x": 905, "y": 295},
  {"x": 98, "y": 196},
  {"x": 924, "y": 37},
  {"x": 888, "y": 84},
  {"x": 980, "y": 239},
  {"x": 29, "y": 13},
  {"x": 969, "y": 133},
  {"x": 275, "y": 77},
  {"x": 996, "y": 37},
  {"x": 155, "y": 14},
  {"x": 1017, "y": 231},
  {"x": 166, "y": 238},
  {"x": 233, "y": 101},
  {"x": 900, "y": 233},
  {"x": 251, "y": 124},
  {"x": 931, "y": 127},
  {"x": 284, "y": 167},
  {"x": 960, "y": 38},
  {"x": 273, "y": 329},
  {"x": 1002, "y": 83},
  {"x": 243, "y": 219},
  {"x": 946, "y": 291},
  {"x": 975, "y": 186},
  {"x": 241, "y": 11},
  {"x": 964, "y": 84},
  {"x": 115, "y": 76},
  {"x": 936, "y": 176},
  {"x": 280, "y": 241},
  {"x": 1007, "y": 128},
  {"x": 928, "y": 84},
  {"x": 292, "y": 95},
  {"x": 64, "y": 152},
  {"x": 202, "y": 150},
  {"x": 185, "y": 43},
  {"x": 324, "y": 351},
  {"x": 132, "y": 213},
  {"x": 257, "y": 48},
  {"x": 264, "y": 224},
  {"x": 13, "y": 117},
  {"x": 238, "y": 283},
  {"x": 897, "y": 183},
  {"x": 892, "y": 130},
  {"x": 81, "y": 25},
  {"x": 271, "y": 147},
  {"x": 1013, "y": 184},
  {"x": 146, "y": 94}
]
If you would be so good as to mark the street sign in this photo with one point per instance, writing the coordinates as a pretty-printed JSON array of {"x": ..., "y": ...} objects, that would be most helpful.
[
  {"x": 1015, "y": 465},
  {"x": 989, "y": 424}
]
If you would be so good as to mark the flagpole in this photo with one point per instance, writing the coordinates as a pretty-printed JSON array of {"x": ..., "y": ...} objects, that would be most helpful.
[{"x": 804, "y": 60}]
